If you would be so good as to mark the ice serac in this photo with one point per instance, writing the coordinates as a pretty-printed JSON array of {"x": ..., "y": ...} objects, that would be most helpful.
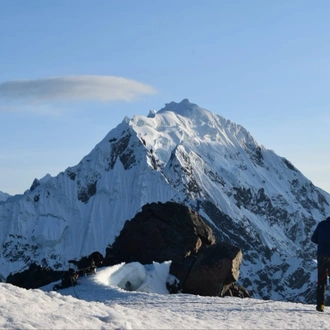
[{"x": 252, "y": 198}]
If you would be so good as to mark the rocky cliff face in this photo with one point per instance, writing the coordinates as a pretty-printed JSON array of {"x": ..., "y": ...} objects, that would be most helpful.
[{"x": 251, "y": 197}]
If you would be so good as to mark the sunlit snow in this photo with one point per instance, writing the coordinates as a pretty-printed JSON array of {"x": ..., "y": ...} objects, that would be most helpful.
[{"x": 100, "y": 302}]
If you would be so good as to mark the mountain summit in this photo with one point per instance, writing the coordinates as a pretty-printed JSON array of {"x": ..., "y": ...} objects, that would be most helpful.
[{"x": 252, "y": 198}]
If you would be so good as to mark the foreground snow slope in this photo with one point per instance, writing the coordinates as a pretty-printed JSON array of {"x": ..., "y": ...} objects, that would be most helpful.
[{"x": 95, "y": 304}]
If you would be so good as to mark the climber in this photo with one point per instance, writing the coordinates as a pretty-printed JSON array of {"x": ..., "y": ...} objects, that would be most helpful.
[
  {"x": 321, "y": 237},
  {"x": 69, "y": 278}
]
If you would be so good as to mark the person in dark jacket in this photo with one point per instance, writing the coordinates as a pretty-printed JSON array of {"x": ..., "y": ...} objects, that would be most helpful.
[
  {"x": 69, "y": 278},
  {"x": 321, "y": 237}
]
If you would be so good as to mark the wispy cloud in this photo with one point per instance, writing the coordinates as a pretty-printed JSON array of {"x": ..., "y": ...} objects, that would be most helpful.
[{"x": 74, "y": 88}]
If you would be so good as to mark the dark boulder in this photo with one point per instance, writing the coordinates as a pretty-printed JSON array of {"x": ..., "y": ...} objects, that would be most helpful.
[
  {"x": 214, "y": 270},
  {"x": 171, "y": 231},
  {"x": 160, "y": 232}
]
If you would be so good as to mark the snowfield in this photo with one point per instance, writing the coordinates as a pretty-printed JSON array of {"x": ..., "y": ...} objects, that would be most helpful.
[{"x": 100, "y": 302}]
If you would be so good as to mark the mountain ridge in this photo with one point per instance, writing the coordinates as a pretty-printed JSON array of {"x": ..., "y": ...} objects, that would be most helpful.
[
  {"x": 3, "y": 196},
  {"x": 252, "y": 198}
]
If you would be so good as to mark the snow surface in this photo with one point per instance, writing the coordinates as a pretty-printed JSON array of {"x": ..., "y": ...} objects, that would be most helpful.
[{"x": 98, "y": 302}]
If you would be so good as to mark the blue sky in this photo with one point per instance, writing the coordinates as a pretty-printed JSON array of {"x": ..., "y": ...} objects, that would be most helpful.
[{"x": 261, "y": 64}]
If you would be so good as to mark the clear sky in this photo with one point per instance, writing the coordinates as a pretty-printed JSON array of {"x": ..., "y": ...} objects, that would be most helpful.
[{"x": 70, "y": 71}]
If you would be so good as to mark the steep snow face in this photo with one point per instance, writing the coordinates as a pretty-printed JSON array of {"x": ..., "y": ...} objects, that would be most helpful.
[
  {"x": 83, "y": 208},
  {"x": 251, "y": 197}
]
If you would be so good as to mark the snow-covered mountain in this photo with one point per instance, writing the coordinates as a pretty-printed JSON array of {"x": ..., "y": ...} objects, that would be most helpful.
[
  {"x": 251, "y": 197},
  {"x": 3, "y": 196}
]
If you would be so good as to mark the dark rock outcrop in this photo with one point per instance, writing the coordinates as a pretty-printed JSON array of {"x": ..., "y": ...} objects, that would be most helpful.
[
  {"x": 34, "y": 277},
  {"x": 236, "y": 290},
  {"x": 171, "y": 231},
  {"x": 37, "y": 276},
  {"x": 35, "y": 184}
]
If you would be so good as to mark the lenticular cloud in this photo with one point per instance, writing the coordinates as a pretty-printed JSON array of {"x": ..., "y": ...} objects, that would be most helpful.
[{"x": 74, "y": 88}]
